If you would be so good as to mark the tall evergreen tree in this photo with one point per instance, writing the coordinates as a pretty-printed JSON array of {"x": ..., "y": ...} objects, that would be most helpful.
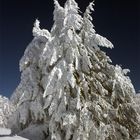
[
  {"x": 69, "y": 88},
  {"x": 28, "y": 95}
]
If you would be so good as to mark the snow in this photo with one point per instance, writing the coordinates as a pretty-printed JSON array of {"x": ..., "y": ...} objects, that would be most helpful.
[
  {"x": 70, "y": 34},
  {"x": 12, "y": 138},
  {"x": 5, "y": 131},
  {"x": 43, "y": 34},
  {"x": 54, "y": 57},
  {"x": 6, "y": 108},
  {"x": 102, "y": 41}
]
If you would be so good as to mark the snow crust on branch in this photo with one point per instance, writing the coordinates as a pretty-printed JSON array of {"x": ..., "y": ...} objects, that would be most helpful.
[{"x": 43, "y": 34}]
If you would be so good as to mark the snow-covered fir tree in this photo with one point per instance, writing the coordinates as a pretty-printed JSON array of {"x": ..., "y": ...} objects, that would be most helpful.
[
  {"x": 6, "y": 109},
  {"x": 69, "y": 89},
  {"x": 28, "y": 96}
]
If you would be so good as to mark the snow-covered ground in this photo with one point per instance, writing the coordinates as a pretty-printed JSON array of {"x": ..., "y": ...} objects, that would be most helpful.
[
  {"x": 4, "y": 131},
  {"x": 12, "y": 138}
]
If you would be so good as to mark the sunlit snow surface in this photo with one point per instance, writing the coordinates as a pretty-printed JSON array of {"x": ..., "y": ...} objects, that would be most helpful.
[
  {"x": 12, "y": 138},
  {"x": 4, "y": 131}
]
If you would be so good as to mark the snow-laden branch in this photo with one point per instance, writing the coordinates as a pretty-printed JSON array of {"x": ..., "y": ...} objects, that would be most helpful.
[
  {"x": 42, "y": 34},
  {"x": 102, "y": 41}
]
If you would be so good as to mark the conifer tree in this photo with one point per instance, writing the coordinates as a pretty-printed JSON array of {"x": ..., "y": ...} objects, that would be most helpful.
[
  {"x": 28, "y": 95},
  {"x": 69, "y": 85}
]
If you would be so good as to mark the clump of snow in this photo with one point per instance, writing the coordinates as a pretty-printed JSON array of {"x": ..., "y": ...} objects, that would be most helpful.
[
  {"x": 38, "y": 33},
  {"x": 5, "y": 131}
]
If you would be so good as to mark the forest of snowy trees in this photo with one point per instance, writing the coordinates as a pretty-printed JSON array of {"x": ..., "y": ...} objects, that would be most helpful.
[{"x": 69, "y": 88}]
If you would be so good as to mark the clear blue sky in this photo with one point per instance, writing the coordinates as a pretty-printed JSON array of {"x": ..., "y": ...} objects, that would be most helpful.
[{"x": 119, "y": 21}]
